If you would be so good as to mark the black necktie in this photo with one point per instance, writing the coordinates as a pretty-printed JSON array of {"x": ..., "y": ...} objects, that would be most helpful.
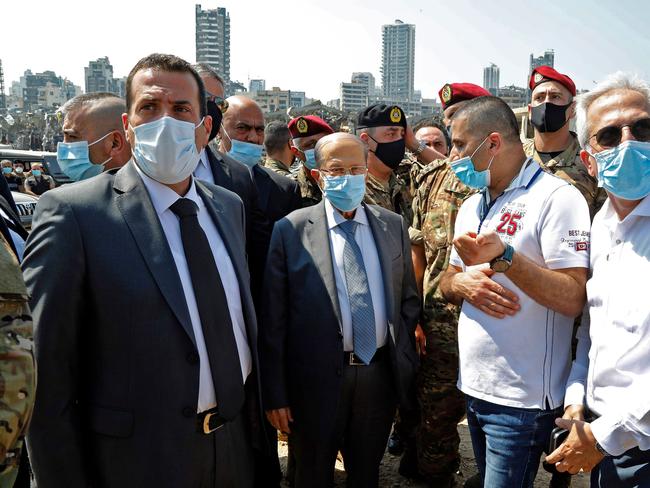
[{"x": 213, "y": 311}]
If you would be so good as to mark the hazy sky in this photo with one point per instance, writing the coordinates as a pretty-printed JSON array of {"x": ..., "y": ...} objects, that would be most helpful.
[{"x": 314, "y": 45}]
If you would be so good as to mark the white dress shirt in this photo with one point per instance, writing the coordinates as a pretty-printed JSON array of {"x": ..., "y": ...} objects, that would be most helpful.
[
  {"x": 163, "y": 197},
  {"x": 203, "y": 170},
  {"x": 523, "y": 360},
  {"x": 364, "y": 238},
  {"x": 612, "y": 366}
]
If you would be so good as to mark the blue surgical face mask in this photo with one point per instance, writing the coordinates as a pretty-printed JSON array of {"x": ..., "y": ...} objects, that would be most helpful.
[
  {"x": 466, "y": 171},
  {"x": 624, "y": 170},
  {"x": 74, "y": 159},
  {"x": 310, "y": 159},
  {"x": 344, "y": 192},
  {"x": 246, "y": 152},
  {"x": 36, "y": 172},
  {"x": 7, "y": 171}
]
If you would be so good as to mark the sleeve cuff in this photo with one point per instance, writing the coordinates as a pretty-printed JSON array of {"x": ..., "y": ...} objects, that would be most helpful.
[
  {"x": 575, "y": 394},
  {"x": 612, "y": 435},
  {"x": 415, "y": 235}
]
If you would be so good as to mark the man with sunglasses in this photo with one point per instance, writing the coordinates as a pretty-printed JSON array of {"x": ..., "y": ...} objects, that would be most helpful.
[
  {"x": 608, "y": 394},
  {"x": 339, "y": 313},
  {"x": 518, "y": 269},
  {"x": 555, "y": 147}
]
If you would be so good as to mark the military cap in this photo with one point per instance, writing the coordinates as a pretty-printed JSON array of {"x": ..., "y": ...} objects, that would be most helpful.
[
  {"x": 453, "y": 93},
  {"x": 542, "y": 74},
  {"x": 308, "y": 125},
  {"x": 381, "y": 115}
]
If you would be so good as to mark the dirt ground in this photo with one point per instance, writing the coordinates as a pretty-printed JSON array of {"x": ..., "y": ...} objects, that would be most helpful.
[{"x": 390, "y": 478}]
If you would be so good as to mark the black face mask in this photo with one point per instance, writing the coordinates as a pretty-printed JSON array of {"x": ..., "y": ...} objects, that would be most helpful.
[
  {"x": 215, "y": 113},
  {"x": 390, "y": 153},
  {"x": 549, "y": 117}
]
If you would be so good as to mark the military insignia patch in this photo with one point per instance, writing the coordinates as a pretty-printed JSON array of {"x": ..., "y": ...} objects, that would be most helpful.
[
  {"x": 538, "y": 77},
  {"x": 302, "y": 126},
  {"x": 395, "y": 115},
  {"x": 446, "y": 93}
]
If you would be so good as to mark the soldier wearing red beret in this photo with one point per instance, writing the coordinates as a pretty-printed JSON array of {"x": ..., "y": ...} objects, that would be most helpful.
[
  {"x": 554, "y": 146},
  {"x": 306, "y": 131},
  {"x": 453, "y": 95}
]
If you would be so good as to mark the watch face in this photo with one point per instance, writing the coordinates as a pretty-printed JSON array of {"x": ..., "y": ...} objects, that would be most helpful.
[{"x": 500, "y": 266}]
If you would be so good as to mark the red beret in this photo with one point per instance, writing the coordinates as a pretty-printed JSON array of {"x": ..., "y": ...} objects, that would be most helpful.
[
  {"x": 546, "y": 73},
  {"x": 453, "y": 93},
  {"x": 308, "y": 125}
]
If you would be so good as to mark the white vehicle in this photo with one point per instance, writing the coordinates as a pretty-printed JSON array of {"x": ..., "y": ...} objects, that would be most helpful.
[{"x": 26, "y": 204}]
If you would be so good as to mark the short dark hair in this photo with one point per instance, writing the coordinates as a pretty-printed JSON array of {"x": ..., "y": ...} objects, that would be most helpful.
[
  {"x": 276, "y": 135},
  {"x": 169, "y": 63},
  {"x": 433, "y": 123},
  {"x": 489, "y": 114},
  {"x": 206, "y": 68}
]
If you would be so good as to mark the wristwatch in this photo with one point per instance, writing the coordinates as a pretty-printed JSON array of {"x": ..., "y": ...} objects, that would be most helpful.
[
  {"x": 601, "y": 449},
  {"x": 421, "y": 145},
  {"x": 502, "y": 263}
]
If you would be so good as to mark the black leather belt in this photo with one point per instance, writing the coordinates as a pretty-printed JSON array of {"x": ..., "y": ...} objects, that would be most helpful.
[
  {"x": 351, "y": 359},
  {"x": 209, "y": 420}
]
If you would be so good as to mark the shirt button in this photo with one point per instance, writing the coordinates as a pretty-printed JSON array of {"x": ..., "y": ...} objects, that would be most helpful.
[
  {"x": 193, "y": 358},
  {"x": 618, "y": 241},
  {"x": 188, "y": 412}
]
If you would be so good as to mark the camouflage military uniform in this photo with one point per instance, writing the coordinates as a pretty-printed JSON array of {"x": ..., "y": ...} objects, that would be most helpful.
[
  {"x": 309, "y": 190},
  {"x": 438, "y": 198},
  {"x": 277, "y": 166},
  {"x": 393, "y": 195},
  {"x": 569, "y": 167},
  {"x": 17, "y": 369}
]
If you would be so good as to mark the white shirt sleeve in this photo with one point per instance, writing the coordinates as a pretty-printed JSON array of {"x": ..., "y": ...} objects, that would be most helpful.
[
  {"x": 564, "y": 228},
  {"x": 577, "y": 382}
]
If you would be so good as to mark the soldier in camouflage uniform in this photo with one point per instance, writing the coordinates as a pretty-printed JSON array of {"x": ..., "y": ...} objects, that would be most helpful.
[
  {"x": 277, "y": 144},
  {"x": 17, "y": 366},
  {"x": 306, "y": 132},
  {"x": 554, "y": 147}
]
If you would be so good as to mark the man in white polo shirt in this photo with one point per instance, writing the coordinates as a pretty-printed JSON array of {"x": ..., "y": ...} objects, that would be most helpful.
[
  {"x": 609, "y": 384},
  {"x": 519, "y": 268}
]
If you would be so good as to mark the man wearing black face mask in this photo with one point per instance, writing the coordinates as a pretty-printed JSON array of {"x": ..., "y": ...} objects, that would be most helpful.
[
  {"x": 554, "y": 146},
  {"x": 384, "y": 129}
]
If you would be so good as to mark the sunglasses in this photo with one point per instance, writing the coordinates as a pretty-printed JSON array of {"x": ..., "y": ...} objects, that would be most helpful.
[
  {"x": 220, "y": 102},
  {"x": 611, "y": 135}
]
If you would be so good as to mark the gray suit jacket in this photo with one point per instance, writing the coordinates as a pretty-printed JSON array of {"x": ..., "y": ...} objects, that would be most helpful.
[
  {"x": 301, "y": 343},
  {"x": 118, "y": 369}
]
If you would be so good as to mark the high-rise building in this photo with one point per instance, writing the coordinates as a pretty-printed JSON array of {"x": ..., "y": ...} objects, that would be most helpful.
[
  {"x": 99, "y": 76},
  {"x": 491, "y": 79},
  {"x": 365, "y": 78},
  {"x": 44, "y": 89},
  {"x": 213, "y": 39},
  {"x": 398, "y": 60},
  {"x": 3, "y": 101},
  {"x": 547, "y": 59},
  {"x": 256, "y": 85},
  {"x": 353, "y": 96}
]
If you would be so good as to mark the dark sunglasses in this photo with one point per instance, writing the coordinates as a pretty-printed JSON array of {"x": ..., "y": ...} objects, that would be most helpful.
[
  {"x": 611, "y": 135},
  {"x": 220, "y": 102}
]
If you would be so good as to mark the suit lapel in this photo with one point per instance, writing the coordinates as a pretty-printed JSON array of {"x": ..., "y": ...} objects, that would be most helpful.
[
  {"x": 139, "y": 214},
  {"x": 319, "y": 243},
  {"x": 220, "y": 170},
  {"x": 387, "y": 249}
]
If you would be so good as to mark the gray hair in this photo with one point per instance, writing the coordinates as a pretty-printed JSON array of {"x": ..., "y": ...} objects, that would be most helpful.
[
  {"x": 204, "y": 68},
  {"x": 89, "y": 99},
  {"x": 615, "y": 81},
  {"x": 323, "y": 141}
]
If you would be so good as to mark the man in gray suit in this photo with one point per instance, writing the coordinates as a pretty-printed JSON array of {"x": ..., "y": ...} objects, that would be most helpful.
[
  {"x": 337, "y": 344},
  {"x": 145, "y": 326}
]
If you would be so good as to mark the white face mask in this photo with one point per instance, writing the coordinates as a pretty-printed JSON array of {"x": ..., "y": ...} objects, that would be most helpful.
[{"x": 165, "y": 149}]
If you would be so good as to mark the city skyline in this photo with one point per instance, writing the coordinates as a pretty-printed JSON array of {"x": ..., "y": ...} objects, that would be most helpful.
[{"x": 315, "y": 48}]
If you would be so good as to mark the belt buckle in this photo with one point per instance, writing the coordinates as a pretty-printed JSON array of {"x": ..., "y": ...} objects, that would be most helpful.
[
  {"x": 353, "y": 361},
  {"x": 206, "y": 423}
]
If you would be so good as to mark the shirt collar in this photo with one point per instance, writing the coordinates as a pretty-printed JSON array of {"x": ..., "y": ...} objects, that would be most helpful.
[
  {"x": 204, "y": 160},
  {"x": 610, "y": 217},
  {"x": 334, "y": 217},
  {"x": 163, "y": 197},
  {"x": 527, "y": 174}
]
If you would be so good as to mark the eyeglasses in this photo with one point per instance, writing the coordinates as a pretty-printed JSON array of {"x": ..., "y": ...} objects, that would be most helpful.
[
  {"x": 354, "y": 171},
  {"x": 220, "y": 102},
  {"x": 611, "y": 135}
]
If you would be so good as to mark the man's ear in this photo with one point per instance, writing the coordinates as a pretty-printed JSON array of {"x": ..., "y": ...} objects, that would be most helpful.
[
  {"x": 571, "y": 111},
  {"x": 494, "y": 142},
  {"x": 127, "y": 131},
  {"x": 590, "y": 163},
  {"x": 297, "y": 152},
  {"x": 315, "y": 174}
]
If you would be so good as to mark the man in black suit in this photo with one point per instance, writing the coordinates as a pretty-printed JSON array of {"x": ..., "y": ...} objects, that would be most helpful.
[
  {"x": 146, "y": 332},
  {"x": 340, "y": 306},
  {"x": 222, "y": 170},
  {"x": 243, "y": 135}
]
